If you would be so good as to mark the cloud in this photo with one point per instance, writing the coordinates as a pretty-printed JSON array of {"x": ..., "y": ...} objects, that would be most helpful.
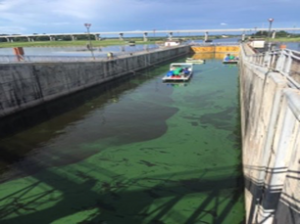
[{"x": 57, "y": 16}]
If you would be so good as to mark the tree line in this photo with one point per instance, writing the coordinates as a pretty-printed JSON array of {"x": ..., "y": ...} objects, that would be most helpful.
[{"x": 281, "y": 33}]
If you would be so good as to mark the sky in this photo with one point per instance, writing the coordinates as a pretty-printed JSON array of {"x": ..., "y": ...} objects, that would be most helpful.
[{"x": 69, "y": 16}]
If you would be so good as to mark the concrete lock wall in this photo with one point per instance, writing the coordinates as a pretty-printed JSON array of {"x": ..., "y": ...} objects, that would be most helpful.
[
  {"x": 270, "y": 114},
  {"x": 23, "y": 85}
]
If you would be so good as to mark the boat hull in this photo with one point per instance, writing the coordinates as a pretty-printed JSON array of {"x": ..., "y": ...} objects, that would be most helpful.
[
  {"x": 177, "y": 78},
  {"x": 230, "y": 62}
]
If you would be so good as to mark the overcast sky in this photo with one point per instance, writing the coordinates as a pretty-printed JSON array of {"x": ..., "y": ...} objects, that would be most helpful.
[{"x": 57, "y": 16}]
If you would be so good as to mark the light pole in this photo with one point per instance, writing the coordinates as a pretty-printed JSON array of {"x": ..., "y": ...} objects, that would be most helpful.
[
  {"x": 269, "y": 33},
  {"x": 88, "y": 25},
  {"x": 294, "y": 30}
]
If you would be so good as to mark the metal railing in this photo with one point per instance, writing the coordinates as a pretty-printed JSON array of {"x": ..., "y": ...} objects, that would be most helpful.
[
  {"x": 214, "y": 43},
  {"x": 284, "y": 61},
  {"x": 7, "y": 59}
]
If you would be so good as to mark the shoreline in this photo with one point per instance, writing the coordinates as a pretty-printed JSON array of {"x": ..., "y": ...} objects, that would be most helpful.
[
  {"x": 103, "y": 43},
  {"x": 80, "y": 43}
]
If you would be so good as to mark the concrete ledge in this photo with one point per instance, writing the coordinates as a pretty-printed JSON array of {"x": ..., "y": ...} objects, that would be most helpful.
[{"x": 24, "y": 85}]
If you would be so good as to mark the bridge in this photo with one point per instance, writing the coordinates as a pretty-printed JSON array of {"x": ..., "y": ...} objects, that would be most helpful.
[{"x": 145, "y": 33}]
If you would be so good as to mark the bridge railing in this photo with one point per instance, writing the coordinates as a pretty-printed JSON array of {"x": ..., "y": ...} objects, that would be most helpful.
[
  {"x": 213, "y": 43},
  {"x": 7, "y": 59},
  {"x": 285, "y": 61}
]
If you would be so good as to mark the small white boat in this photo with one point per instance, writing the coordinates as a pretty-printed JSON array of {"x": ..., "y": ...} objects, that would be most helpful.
[
  {"x": 194, "y": 61},
  {"x": 131, "y": 43},
  {"x": 179, "y": 72},
  {"x": 172, "y": 43}
]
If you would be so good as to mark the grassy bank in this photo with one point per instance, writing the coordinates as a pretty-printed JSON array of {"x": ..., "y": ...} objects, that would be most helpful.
[{"x": 95, "y": 43}]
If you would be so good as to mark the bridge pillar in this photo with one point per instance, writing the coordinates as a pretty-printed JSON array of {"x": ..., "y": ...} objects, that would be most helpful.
[
  {"x": 121, "y": 36},
  {"x": 170, "y": 35},
  {"x": 243, "y": 36},
  {"x": 205, "y": 36},
  {"x": 28, "y": 39},
  {"x": 8, "y": 40},
  {"x": 97, "y": 36},
  {"x": 273, "y": 34},
  {"x": 52, "y": 38},
  {"x": 145, "y": 36},
  {"x": 73, "y": 37}
]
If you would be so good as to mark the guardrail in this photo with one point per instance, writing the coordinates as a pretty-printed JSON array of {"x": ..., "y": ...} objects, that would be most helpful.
[
  {"x": 214, "y": 43},
  {"x": 7, "y": 59},
  {"x": 285, "y": 61}
]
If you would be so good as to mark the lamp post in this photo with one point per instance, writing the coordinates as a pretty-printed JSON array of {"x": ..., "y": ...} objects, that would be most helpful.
[
  {"x": 269, "y": 33},
  {"x": 88, "y": 25},
  {"x": 294, "y": 30}
]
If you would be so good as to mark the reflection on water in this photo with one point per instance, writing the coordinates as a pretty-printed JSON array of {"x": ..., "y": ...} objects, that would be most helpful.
[
  {"x": 180, "y": 84},
  {"x": 206, "y": 56}
]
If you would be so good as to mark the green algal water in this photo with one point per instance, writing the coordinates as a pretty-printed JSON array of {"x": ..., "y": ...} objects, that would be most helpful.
[{"x": 141, "y": 152}]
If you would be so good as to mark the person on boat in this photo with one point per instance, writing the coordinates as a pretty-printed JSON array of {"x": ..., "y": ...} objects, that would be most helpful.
[
  {"x": 227, "y": 58},
  {"x": 170, "y": 73},
  {"x": 232, "y": 57},
  {"x": 186, "y": 70},
  {"x": 177, "y": 72},
  {"x": 110, "y": 55}
]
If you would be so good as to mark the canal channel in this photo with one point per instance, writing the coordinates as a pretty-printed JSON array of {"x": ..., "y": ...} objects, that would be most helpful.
[{"x": 133, "y": 151}]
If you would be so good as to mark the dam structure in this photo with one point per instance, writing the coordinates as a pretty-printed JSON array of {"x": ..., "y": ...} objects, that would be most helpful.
[
  {"x": 270, "y": 115},
  {"x": 223, "y": 148},
  {"x": 26, "y": 84}
]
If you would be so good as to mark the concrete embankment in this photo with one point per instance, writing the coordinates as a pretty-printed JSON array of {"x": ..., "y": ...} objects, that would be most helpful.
[
  {"x": 270, "y": 111},
  {"x": 24, "y": 85}
]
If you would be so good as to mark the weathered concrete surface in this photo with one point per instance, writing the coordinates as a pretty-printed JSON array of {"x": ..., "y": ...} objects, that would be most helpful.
[
  {"x": 26, "y": 85},
  {"x": 270, "y": 115}
]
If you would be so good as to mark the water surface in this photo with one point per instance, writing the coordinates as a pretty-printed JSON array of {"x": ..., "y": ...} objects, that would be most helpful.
[{"x": 140, "y": 152}]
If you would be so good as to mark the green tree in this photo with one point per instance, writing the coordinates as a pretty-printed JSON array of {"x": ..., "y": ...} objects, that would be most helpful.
[{"x": 282, "y": 33}]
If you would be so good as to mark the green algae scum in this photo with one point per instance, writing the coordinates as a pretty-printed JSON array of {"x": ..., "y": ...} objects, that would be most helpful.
[{"x": 138, "y": 151}]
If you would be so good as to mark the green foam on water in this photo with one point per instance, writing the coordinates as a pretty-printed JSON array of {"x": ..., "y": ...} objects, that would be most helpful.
[{"x": 148, "y": 153}]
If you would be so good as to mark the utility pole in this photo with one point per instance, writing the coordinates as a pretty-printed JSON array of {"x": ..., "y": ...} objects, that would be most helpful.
[
  {"x": 88, "y": 25},
  {"x": 269, "y": 33},
  {"x": 294, "y": 30}
]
